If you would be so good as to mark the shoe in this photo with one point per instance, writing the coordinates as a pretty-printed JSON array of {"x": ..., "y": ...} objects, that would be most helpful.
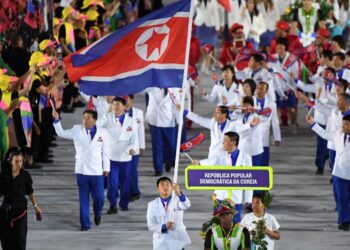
[
  {"x": 84, "y": 229},
  {"x": 167, "y": 167},
  {"x": 134, "y": 197},
  {"x": 97, "y": 221},
  {"x": 158, "y": 173},
  {"x": 112, "y": 210},
  {"x": 344, "y": 226},
  {"x": 124, "y": 208},
  {"x": 67, "y": 109},
  {"x": 319, "y": 171},
  {"x": 79, "y": 104}
]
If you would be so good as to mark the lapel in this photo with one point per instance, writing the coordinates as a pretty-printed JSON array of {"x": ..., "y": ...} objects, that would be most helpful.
[{"x": 84, "y": 136}]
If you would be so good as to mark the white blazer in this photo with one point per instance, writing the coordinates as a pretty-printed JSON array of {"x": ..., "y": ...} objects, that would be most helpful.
[
  {"x": 270, "y": 17},
  {"x": 233, "y": 95},
  {"x": 120, "y": 140},
  {"x": 334, "y": 124},
  {"x": 161, "y": 111},
  {"x": 175, "y": 239},
  {"x": 90, "y": 158},
  {"x": 341, "y": 166},
  {"x": 267, "y": 122},
  {"x": 216, "y": 136},
  {"x": 208, "y": 15},
  {"x": 251, "y": 141},
  {"x": 224, "y": 159},
  {"x": 325, "y": 103},
  {"x": 137, "y": 117},
  {"x": 235, "y": 15},
  {"x": 258, "y": 25}
]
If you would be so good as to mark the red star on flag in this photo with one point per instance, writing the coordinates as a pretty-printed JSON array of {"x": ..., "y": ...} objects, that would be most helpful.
[{"x": 154, "y": 42}]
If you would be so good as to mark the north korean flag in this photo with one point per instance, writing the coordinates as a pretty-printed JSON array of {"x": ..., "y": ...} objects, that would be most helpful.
[{"x": 150, "y": 52}]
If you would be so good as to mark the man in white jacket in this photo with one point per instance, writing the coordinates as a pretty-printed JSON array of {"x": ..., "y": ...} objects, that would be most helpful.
[
  {"x": 91, "y": 164},
  {"x": 341, "y": 170},
  {"x": 121, "y": 147},
  {"x": 165, "y": 217},
  {"x": 231, "y": 156},
  {"x": 161, "y": 116}
]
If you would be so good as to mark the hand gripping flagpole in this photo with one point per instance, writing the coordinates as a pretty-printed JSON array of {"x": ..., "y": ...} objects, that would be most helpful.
[{"x": 182, "y": 104}]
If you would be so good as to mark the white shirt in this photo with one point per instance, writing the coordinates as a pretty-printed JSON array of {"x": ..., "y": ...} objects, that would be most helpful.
[{"x": 271, "y": 223}]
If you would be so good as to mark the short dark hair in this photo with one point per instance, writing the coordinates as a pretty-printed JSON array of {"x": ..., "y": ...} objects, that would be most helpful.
[
  {"x": 339, "y": 40},
  {"x": 230, "y": 68},
  {"x": 327, "y": 54},
  {"x": 346, "y": 118},
  {"x": 259, "y": 195},
  {"x": 264, "y": 83},
  {"x": 14, "y": 152},
  {"x": 257, "y": 57},
  {"x": 343, "y": 83},
  {"x": 282, "y": 41},
  {"x": 346, "y": 96},
  {"x": 119, "y": 99},
  {"x": 248, "y": 100},
  {"x": 340, "y": 55},
  {"x": 224, "y": 110},
  {"x": 347, "y": 53},
  {"x": 131, "y": 96},
  {"x": 233, "y": 136},
  {"x": 163, "y": 178},
  {"x": 93, "y": 113},
  {"x": 251, "y": 83}
]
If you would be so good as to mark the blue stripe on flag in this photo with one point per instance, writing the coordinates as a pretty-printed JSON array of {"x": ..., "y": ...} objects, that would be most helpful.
[
  {"x": 100, "y": 48},
  {"x": 134, "y": 84}
]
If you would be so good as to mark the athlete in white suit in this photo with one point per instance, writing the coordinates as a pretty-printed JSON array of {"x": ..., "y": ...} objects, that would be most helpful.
[
  {"x": 231, "y": 156},
  {"x": 91, "y": 163},
  {"x": 161, "y": 116},
  {"x": 121, "y": 147},
  {"x": 165, "y": 217}
]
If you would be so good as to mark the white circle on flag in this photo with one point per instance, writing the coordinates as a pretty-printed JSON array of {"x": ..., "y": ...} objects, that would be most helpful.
[{"x": 142, "y": 47}]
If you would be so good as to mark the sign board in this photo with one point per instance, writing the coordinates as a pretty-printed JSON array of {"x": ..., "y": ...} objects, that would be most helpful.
[{"x": 230, "y": 178}]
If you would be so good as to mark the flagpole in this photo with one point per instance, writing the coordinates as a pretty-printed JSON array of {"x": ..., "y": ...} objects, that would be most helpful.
[{"x": 182, "y": 104}]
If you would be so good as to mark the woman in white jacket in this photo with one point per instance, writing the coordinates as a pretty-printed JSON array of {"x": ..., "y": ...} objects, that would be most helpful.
[
  {"x": 270, "y": 14},
  {"x": 208, "y": 24},
  {"x": 253, "y": 22}
]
